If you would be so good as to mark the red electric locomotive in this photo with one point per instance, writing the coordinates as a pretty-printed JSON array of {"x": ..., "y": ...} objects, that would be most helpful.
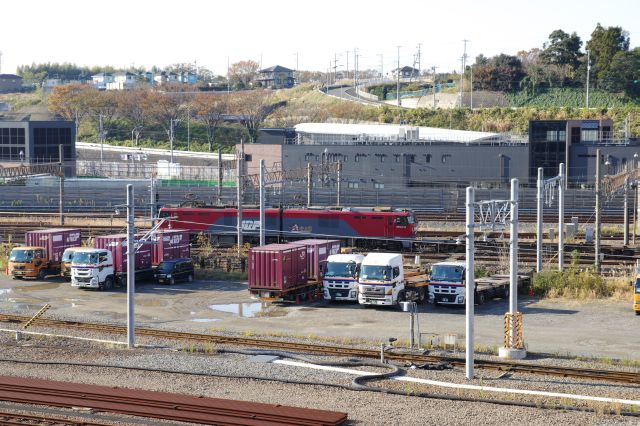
[{"x": 361, "y": 227}]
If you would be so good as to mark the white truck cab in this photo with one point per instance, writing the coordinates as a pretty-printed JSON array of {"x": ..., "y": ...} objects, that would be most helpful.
[
  {"x": 381, "y": 280},
  {"x": 92, "y": 268},
  {"x": 340, "y": 281},
  {"x": 447, "y": 283}
]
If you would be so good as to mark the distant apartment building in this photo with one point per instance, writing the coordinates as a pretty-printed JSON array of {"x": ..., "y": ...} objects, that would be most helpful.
[
  {"x": 10, "y": 83},
  {"x": 276, "y": 77}
]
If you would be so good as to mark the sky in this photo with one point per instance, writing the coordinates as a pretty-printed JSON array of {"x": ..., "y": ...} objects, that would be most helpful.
[{"x": 279, "y": 32}]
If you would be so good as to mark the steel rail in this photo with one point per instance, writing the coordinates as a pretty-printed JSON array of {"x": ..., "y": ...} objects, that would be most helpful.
[
  {"x": 503, "y": 366},
  {"x": 12, "y": 418}
]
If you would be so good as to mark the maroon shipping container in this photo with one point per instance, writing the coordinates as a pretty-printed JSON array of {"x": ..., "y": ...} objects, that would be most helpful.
[
  {"x": 170, "y": 244},
  {"x": 277, "y": 266},
  {"x": 117, "y": 245},
  {"x": 55, "y": 241},
  {"x": 317, "y": 253}
]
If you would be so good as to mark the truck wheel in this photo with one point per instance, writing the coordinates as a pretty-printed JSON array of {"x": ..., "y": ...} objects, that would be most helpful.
[
  {"x": 108, "y": 283},
  {"x": 422, "y": 295},
  {"x": 481, "y": 298},
  {"x": 41, "y": 274}
]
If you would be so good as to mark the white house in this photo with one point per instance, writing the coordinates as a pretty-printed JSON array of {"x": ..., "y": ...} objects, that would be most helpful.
[
  {"x": 101, "y": 80},
  {"x": 122, "y": 81}
]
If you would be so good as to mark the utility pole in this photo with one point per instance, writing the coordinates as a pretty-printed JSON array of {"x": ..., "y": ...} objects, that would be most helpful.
[
  {"x": 471, "y": 86},
  {"x": 101, "y": 137},
  {"x": 347, "y": 56},
  {"x": 398, "y": 79},
  {"x": 626, "y": 212},
  {"x": 419, "y": 59},
  {"x": 219, "y": 175},
  {"x": 61, "y": 162},
  {"x": 588, "y": 72},
  {"x": 434, "y": 86},
  {"x": 295, "y": 76},
  {"x": 513, "y": 258},
  {"x": 171, "y": 142},
  {"x": 355, "y": 68},
  {"x": 309, "y": 184},
  {"x": 470, "y": 283},
  {"x": 464, "y": 57},
  {"x": 381, "y": 65},
  {"x": 561, "y": 189},
  {"x": 539, "y": 233},
  {"x": 597, "y": 242},
  {"x": 131, "y": 264},
  {"x": 338, "y": 185},
  {"x": 335, "y": 67},
  {"x": 239, "y": 183},
  {"x": 262, "y": 194}
]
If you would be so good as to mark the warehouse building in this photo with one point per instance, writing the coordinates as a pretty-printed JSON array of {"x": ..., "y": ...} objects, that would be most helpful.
[
  {"x": 375, "y": 155},
  {"x": 27, "y": 138}
]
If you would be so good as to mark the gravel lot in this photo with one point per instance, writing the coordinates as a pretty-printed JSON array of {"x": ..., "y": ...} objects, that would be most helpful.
[{"x": 363, "y": 407}]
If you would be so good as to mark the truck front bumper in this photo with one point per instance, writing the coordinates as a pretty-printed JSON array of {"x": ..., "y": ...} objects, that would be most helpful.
[
  {"x": 85, "y": 282},
  {"x": 447, "y": 299},
  {"x": 386, "y": 301},
  {"x": 346, "y": 294}
]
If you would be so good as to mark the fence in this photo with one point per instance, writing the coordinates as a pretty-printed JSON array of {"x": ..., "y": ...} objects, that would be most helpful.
[{"x": 162, "y": 170}]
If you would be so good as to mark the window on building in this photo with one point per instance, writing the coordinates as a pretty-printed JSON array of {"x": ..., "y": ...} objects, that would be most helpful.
[
  {"x": 353, "y": 185},
  {"x": 397, "y": 157},
  {"x": 427, "y": 158},
  {"x": 378, "y": 185},
  {"x": 445, "y": 158},
  {"x": 589, "y": 135}
]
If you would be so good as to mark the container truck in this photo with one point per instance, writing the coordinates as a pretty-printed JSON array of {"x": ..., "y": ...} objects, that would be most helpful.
[
  {"x": 384, "y": 281},
  {"x": 278, "y": 272},
  {"x": 317, "y": 253},
  {"x": 94, "y": 269},
  {"x": 42, "y": 253},
  {"x": 447, "y": 285},
  {"x": 65, "y": 262},
  {"x": 636, "y": 296},
  {"x": 340, "y": 280},
  {"x": 169, "y": 244}
]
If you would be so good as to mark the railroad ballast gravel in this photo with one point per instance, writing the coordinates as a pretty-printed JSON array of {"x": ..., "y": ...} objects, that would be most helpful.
[{"x": 363, "y": 407}]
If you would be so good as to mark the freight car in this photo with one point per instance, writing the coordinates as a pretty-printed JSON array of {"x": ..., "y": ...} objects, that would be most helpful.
[{"x": 369, "y": 228}]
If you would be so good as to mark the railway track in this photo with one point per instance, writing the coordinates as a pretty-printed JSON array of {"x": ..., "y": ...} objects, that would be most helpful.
[
  {"x": 522, "y": 217},
  {"x": 11, "y": 418},
  {"x": 161, "y": 405},
  {"x": 503, "y": 366}
]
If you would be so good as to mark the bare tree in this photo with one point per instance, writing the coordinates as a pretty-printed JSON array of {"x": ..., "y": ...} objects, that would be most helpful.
[
  {"x": 132, "y": 105},
  {"x": 72, "y": 102},
  {"x": 252, "y": 107},
  {"x": 209, "y": 109}
]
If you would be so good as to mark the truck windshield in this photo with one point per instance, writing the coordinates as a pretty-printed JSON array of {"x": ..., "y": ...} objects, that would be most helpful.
[
  {"x": 84, "y": 258},
  {"x": 21, "y": 255},
  {"x": 638, "y": 286},
  {"x": 339, "y": 269},
  {"x": 371, "y": 272},
  {"x": 67, "y": 256},
  {"x": 446, "y": 273}
]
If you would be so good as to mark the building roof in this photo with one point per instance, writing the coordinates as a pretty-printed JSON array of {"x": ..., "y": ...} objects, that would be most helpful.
[
  {"x": 30, "y": 116},
  {"x": 276, "y": 68},
  {"x": 9, "y": 76},
  {"x": 406, "y": 68},
  {"x": 394, "y": 132},
  {"x": 102, "y": 74}
]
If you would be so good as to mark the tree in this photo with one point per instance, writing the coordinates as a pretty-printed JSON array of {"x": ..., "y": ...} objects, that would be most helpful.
[
  {"x": 623, "y": 74},
  {"x": 243, "y": 73},
  {"x": 209, "y": 109},
  {"x": 165, "y": 110},
  {"x": 562, "y": 51},
  {"x": 252, "y": 107},
  {"x": 103, "y": 107},
  {"x": 603, "y": 46},
  {"x": 132, "y": 105},
  {"x": 72, "y": 102},
  {"x": 500, "y": 73}
]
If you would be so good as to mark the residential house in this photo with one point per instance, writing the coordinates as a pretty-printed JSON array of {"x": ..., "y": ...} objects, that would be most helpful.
[
  {"x": 123, "y": 81},
  {"x": 10, "y": 83},
  {"x": 166, "y": 78},
  {"x": 276, "y": 77},
  {"x": 406, "y": 72},
  {"x": 101, "y": 80}
]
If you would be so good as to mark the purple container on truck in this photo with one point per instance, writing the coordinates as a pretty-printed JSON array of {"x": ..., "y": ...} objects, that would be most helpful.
[
  {"x": 317, "y": 253},
  {"x": 117, "y": 245},
  {"x": 170, "y": 244},
  {"x": 277, "y": 266},
  {"x": 55, "y": 241}
]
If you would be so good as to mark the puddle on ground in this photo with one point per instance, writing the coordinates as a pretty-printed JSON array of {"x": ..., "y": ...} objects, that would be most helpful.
[
  {"x": 23, "y": 300},
  {"x": 46, "y": 286},
  {"x": 205, "y": 319},
  {"x": 245, "y": 310}
]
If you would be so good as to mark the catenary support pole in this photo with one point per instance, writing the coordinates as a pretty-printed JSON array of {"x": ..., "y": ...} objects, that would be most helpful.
[
  {"x": 513, "y": 257},
  {"x": 338, "y": 183},
  {"x": 626, "y": 212},
  {"x": 597, "y": 230},
  {"x": 470, "y": 283},
  {"x": 61, "y": 192},
  {"x": 540, "y": 210},
  {"x": 262, "y": 194},
  {"x": 309, "y": 184},
  {"x": 152, "y": 204},
  {"x": 239, "y": 203},
  {"x": 131, "y": 263},
  {"x": 219, "y": 176},
  {"x": 561, "y": 191}
]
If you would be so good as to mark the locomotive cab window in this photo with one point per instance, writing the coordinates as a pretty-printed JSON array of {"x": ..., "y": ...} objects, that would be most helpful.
[{"x": 402, "y": 221}]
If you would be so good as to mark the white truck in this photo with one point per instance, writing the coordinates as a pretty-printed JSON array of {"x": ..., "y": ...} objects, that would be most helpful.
[
  {"x": 384, "y": 281},
  {"x": 93, "y": 268},
  {"x": 447, "y": 285},
  {"x": 340, "y": 280}
]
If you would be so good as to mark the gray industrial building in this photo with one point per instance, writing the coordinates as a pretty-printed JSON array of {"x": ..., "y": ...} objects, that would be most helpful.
[
  {"x": 375, "y": 155},
  {"x": 28, "y": 138}
]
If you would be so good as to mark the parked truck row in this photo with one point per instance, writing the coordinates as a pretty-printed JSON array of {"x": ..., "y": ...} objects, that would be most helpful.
[{"x": 104, "y": 265}]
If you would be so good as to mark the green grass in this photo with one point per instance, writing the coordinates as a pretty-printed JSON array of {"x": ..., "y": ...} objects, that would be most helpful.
[{"x": 568, "y": 97}]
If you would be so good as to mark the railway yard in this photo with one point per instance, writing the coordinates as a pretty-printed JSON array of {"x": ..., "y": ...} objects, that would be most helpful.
[{"x": 208, "y": 353}]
